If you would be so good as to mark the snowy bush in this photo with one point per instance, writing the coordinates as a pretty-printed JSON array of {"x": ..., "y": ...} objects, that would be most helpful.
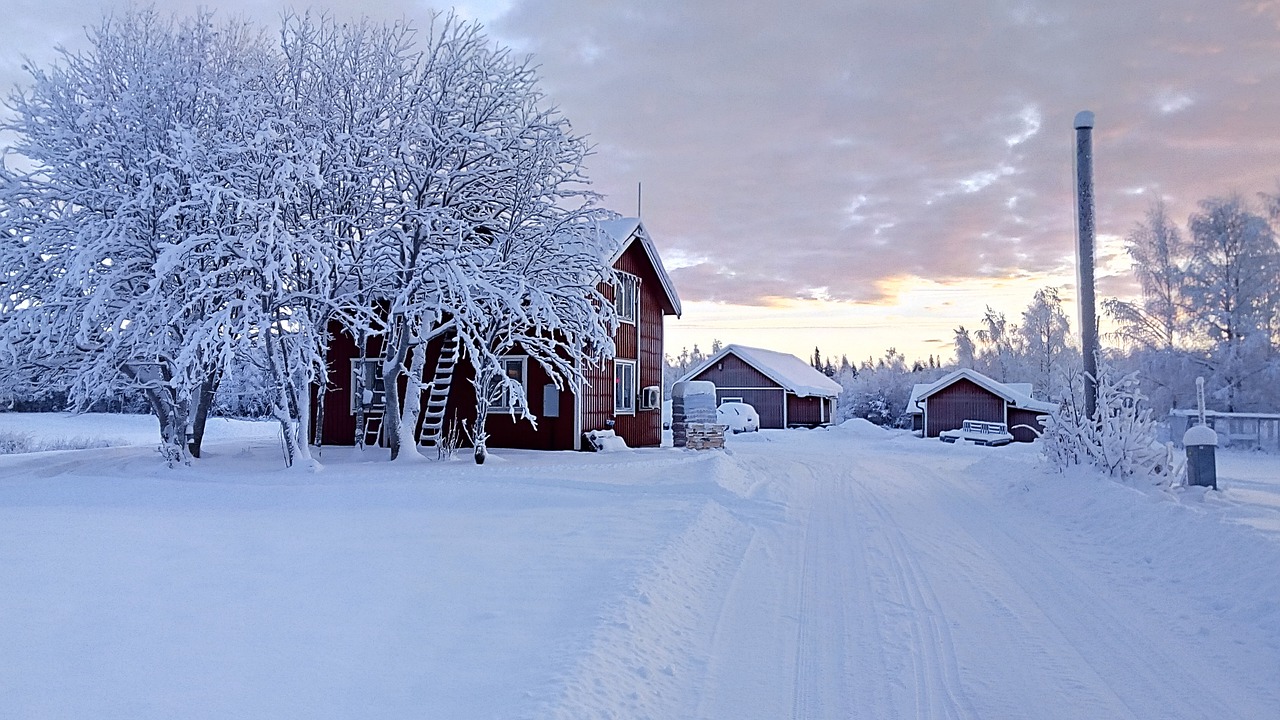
[
  {"x": 13, "y": 442},
  {"x": 1121, "y": 438}
]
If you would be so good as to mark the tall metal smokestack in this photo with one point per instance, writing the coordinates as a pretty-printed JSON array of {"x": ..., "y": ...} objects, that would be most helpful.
[{"x": 1084, "y": 231}]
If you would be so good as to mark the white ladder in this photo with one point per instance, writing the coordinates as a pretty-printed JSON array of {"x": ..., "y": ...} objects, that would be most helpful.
[
  {"x": 438, "y": 398},
  {"x": 372, "y": 428}
]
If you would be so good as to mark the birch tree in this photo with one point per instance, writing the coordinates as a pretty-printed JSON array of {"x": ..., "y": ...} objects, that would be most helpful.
[
  {"x": 1046, "y": 342},
  {"x": 1231, "y": 284},
  {"x": 1158, "y": 320}
]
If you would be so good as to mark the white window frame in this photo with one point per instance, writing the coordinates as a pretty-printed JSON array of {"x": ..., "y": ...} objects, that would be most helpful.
[
  {"x": 626, "y": 298},
  {"x": 620, "y": 389},
  {"x": 724, "y": 400},
  {"x": 506, "y": 403},
  {"x": 377, "y": 378}
]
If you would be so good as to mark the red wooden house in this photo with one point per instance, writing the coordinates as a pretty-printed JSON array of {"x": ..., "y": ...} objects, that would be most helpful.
[
  {"x": 785, "y": 390},
  {"x": 969, "y": 395},
  {"x": 622, "y": 393}
]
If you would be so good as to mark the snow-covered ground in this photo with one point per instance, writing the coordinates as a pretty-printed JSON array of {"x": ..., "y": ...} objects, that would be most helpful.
[{"x": 850, "y": 572}]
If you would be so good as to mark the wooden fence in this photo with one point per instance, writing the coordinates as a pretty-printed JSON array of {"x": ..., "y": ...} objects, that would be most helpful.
[{"x": 1239, "y": 430}]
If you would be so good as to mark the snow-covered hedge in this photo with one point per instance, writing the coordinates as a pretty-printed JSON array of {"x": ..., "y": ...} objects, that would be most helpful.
[{"x": 1120, "y": 439}]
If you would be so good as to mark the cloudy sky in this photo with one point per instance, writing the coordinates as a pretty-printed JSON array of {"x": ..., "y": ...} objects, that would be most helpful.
[{"x": 859, "y": 175}]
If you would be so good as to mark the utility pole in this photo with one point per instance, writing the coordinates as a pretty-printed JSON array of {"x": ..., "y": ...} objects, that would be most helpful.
[{"x": 1084, "y": 259}]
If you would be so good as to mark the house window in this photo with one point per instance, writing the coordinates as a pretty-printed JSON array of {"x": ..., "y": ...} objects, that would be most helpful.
[
  {"x": 624, "y": 387},
  {"x": 372, "y": 395},
  {"x": 513, "y": 368},
  {"x": 724, "y": 400},
  {"x": 626, "y": 296}
]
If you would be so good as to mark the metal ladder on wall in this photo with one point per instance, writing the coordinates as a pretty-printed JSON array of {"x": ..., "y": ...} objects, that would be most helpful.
[{"x": 438, "y": 399}]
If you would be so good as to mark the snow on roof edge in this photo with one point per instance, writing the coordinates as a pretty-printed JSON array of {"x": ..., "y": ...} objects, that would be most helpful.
[
  {"x": 1002, "y": 390},
  {"x": 623, "y": 230},
  {"x": 785, "y": 369}
]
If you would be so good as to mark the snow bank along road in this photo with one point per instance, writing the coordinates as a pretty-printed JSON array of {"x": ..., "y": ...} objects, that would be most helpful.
[{"x": 822, "y": 574}]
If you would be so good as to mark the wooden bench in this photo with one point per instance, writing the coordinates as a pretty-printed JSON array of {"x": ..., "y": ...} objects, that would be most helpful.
[{"x": 979, "y": 432}]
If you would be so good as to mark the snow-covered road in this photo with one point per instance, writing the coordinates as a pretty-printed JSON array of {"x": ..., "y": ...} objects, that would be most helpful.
[
  {"x": 923, "y": 594},
  {"x": 823, "y": 574},
  {"x": 904, "y": 580}
]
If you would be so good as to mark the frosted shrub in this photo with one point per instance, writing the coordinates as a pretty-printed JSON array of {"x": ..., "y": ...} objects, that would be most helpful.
[
  {"x": 13, "y": 442},
  {"x": 1119, "y": 440}
]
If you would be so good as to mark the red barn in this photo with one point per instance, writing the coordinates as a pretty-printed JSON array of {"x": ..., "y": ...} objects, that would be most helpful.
[
  {"x": 969, "y": 395},
  {"x": 624, "y": 391},
  {"x": 785, "y": 390}
]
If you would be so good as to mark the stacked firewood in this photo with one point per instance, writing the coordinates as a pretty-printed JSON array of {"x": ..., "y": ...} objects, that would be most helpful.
[{"x": 705, "y": 436}]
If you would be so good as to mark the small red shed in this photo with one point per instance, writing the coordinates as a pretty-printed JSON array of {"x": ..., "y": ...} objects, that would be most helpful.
[{"x": 967, "y": 394}]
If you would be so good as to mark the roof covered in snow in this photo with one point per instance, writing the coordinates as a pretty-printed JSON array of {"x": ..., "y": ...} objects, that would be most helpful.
[
  {"x": 627, "y": 231},
  {"x": 1017, "y": 395},
  {"x": 789, "y": 371}
]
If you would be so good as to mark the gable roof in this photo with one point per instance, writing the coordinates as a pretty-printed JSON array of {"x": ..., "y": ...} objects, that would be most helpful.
[
  {"x": 789, "y": 371},
  {"x": 1018, "y": 395},
  {"x": 629, "y": 231}
]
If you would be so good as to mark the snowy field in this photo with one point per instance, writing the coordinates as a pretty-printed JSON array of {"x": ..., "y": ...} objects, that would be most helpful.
[{"x": 851, "y": 572}]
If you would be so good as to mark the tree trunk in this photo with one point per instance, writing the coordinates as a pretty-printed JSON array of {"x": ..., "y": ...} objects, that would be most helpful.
[
  {"x": 479, "y": 437},
  {"x": 412, "y": 398},
  {"x": 391, "y": 367},
  {"x": 358, "y": 388},
  {"x": 302, "y": 401},
  {"x": 167, "y": 411},
  {"x": 205, "y": 401}
]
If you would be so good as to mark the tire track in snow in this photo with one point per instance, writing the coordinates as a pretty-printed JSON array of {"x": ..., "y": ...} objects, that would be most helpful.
[
  {"x": 1067, "y": 635},
  {"x": 938, "y": 687},
  {"x": 815, "y": 628},
  {"x": 1147, "y": 676},
  {"x": 648, "y": 653}
]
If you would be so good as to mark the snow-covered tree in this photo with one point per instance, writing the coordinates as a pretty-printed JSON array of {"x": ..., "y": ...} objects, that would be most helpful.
[
  {"x": 1157, "y": 320},
  {"x": 202, "y": 201},
  {"x": 1120, "y": 439},
  {"x": 999, "y": 355},
  {"x": 112, "y": 288},
  {"x": 878, "y": 391},
  {"x": 490, "y": 229},
  {"x": 1231, "y": 287},
  {"x": 966, "y": 351},
  {"x": 1046, "y": 342}
]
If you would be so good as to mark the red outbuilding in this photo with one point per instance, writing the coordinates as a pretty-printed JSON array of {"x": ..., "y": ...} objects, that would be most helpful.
[
  {"x": 785, "y": 390},
  {"x": 969, "y": 395}
]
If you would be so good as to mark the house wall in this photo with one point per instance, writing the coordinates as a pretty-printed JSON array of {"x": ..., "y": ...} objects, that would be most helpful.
[
  {"x": 807, "y": 411},
  {"x": 962, "y": 400},
  {"x": 338, "y": 421},
  {"x": 767, "y": 402},
  {"x": 734, "y": 378},
  {"x": 642, "y": 342},
  {"x": 1018, "y": 416},
  {"x": 550, "y": 433},
  {"x": 504, "y": 431}
]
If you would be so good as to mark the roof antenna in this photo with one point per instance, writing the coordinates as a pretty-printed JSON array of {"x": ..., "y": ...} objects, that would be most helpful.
[{"x": 639, "y": 197}]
